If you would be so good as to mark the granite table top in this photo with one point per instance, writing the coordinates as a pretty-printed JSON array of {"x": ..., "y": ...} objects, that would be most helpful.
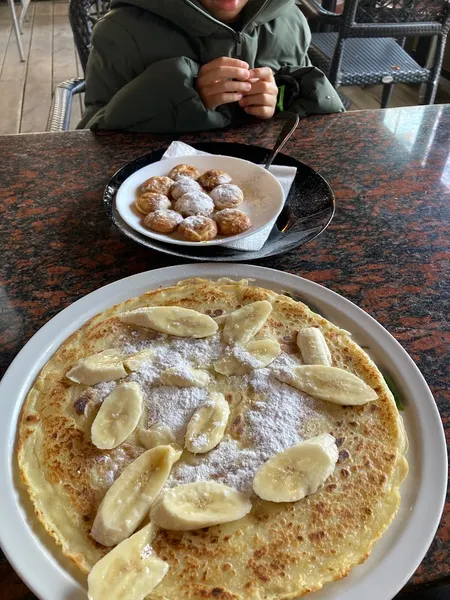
[{"x": 387, "y": 249}]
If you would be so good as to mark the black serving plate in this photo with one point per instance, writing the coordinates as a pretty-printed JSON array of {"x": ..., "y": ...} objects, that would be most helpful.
[{"x": 307, "y": 212}]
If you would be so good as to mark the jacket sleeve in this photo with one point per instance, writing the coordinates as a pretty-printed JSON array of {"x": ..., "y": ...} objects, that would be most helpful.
[
  {"x": 307, "y": 90},
  {"x": 159, "y": 99}
]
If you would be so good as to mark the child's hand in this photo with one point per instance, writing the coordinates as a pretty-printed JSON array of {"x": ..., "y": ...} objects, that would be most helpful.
[
  {"x": 261, "y": 100},
  {"x": 223, "y": 81}
]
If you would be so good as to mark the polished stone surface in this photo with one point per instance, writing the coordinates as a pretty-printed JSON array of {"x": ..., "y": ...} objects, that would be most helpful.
[{"x": 387, "y": 249}]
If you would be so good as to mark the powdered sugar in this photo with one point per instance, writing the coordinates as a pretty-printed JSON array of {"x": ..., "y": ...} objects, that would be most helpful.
[
  {"x": 284, "y": 364},
  {"x": 213, "y": 178},
  {"x": 162, "y": 220},
  {"x": 174, "y": 407},
  {"x": 184, "y": 185},
  {"x": 272, "y": 420},
  {"x": 196, "y": 221},
  {"x": 275, "y": 421},
  {"x": 199, "y": 441},
  {"x": 245, "y": 358},
  {"x": 106, "y": 468},
  {"x": 150, "y": 202},
  {"x": 195, "y": 203},
  {"x": 227, "y": 463},
  {"x": 227, "y": 196},
  {"x": 174, "y": 352},
  {"x": 104, "y": 388},
  {"x": 272, "y": 423},
  {"x": 146, "y": 552}
]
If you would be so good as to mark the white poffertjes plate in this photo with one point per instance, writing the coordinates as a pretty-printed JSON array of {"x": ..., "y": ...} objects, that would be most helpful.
[
  {"x": 263, "y": 194},
  {"x": 396, "y": 556}
]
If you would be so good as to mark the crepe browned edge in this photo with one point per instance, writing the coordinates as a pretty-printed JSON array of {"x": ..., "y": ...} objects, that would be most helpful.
[{"x": 263, "y": 565}]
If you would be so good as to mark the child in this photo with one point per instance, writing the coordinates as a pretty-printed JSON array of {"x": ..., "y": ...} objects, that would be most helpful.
[{"x": 190, "y": 65}]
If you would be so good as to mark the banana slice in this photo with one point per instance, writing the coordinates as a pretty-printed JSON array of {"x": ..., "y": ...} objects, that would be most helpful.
[
  {"x": 129, "y": 498},
  {"x": 185, "y": 377},
  {"x": 242, "y": 324},
  {"x": 104, "y": 366},
  {"x": 328, "y": 383},
  {"x": 174, "y": 320},
  {"x": 298, "y": 471},
  {"x": 130, "y": 571},
  {"x": 118, "y": 416},
  {"x": 200, "y": 504},
  {"x": 207, "y": 425},
  {"x": 135, "y": 361},
  {"x": 313, "y": 347},
  {"x": 254, "y": 355},
  {"x": 157, "y": 435},
  {"x": 220, "y": 319}
]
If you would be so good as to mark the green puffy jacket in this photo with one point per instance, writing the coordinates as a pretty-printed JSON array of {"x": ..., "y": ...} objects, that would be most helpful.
[{"x": 146, "y": 55}]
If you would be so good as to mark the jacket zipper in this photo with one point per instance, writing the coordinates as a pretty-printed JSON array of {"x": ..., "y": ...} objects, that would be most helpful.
[
  {"x": 210, "y": 17},
  {"x": 238, "y": 35},
  {"x": 256, "y": 16},
  {"x": 238, "y": 44}
]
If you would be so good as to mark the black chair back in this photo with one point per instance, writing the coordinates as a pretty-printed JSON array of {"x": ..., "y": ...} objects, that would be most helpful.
[
  {"x": 402, "y": 11},
  {"x": 395, "y": 18},
  {"x": 83, "y": 15}
]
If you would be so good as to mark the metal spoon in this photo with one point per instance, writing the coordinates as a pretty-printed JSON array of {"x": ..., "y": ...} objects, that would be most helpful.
[{"x": 290, "y": 125}]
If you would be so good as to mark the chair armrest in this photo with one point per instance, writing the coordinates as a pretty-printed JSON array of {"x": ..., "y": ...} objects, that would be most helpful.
[
  {"x": 316, "y": 11},
  {"x": 59, "y": 117}
]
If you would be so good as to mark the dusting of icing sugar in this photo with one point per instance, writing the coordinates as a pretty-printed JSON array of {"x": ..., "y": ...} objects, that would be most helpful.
[
  {"x": 227, "y": 196},
  {"x": 148, "y": 374},
  {"x": 184, "y": 371},
  {"x": 104, "y": 388},
  {"x": 109, "y": 468},
  {"x": 244, "y": 357},
  {"x": 272, "y": 421},
  {"x": 200, "y": 440},
  {"x": 171, "y": 351},
  {"x": 147, "y": 551},
  {"x": 271, "y": 424},
  {"x": 284, "y": 363},
  {"x": 227, "y": 463},
  {"x": 226, "y": 190},
  {"x": 195, "y": 203},
  {"x": 174, "y": 407},
  {"x": 196, "y": 221},
  {"x": 287, "y": 361},
  {"x": 184, "y": 185}
]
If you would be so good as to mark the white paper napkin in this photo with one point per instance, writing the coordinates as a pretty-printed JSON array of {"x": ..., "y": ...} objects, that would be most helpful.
[{"x": 285, "y": 176}]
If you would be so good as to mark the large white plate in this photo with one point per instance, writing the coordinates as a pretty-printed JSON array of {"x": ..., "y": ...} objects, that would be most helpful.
[
  {"x": 264, "y": 197},
  {"x": 396, "y": 555}
]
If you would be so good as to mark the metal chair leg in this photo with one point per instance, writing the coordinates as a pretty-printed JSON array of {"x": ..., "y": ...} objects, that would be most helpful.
[
  {"x": 16, "y": 29},
  {"x": 430, "y": 92},
  {"x": 23, "y": 15},
  {"x": 20, "y": 18},
  {"x": 386, "y": 95},
  {"x": 431, "y": 86},
  {"x": 334, "y": 75}
]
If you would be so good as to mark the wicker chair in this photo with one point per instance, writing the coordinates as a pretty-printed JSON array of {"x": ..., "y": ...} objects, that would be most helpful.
[
  {"x": 83, "y": 14},
  {"x": 367, "y": 48}
]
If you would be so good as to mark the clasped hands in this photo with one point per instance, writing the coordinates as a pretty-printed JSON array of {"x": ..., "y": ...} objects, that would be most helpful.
[{"x": 226, "y": 80}]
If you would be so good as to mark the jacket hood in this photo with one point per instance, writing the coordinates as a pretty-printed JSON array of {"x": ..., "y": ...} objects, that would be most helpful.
[{"x": 191, "y": 16}]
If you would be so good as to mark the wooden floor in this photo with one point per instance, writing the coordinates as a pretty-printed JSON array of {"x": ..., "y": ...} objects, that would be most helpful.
[
  {"x": 402, "y": 95},
  {"x": 26, "y": 88}
]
